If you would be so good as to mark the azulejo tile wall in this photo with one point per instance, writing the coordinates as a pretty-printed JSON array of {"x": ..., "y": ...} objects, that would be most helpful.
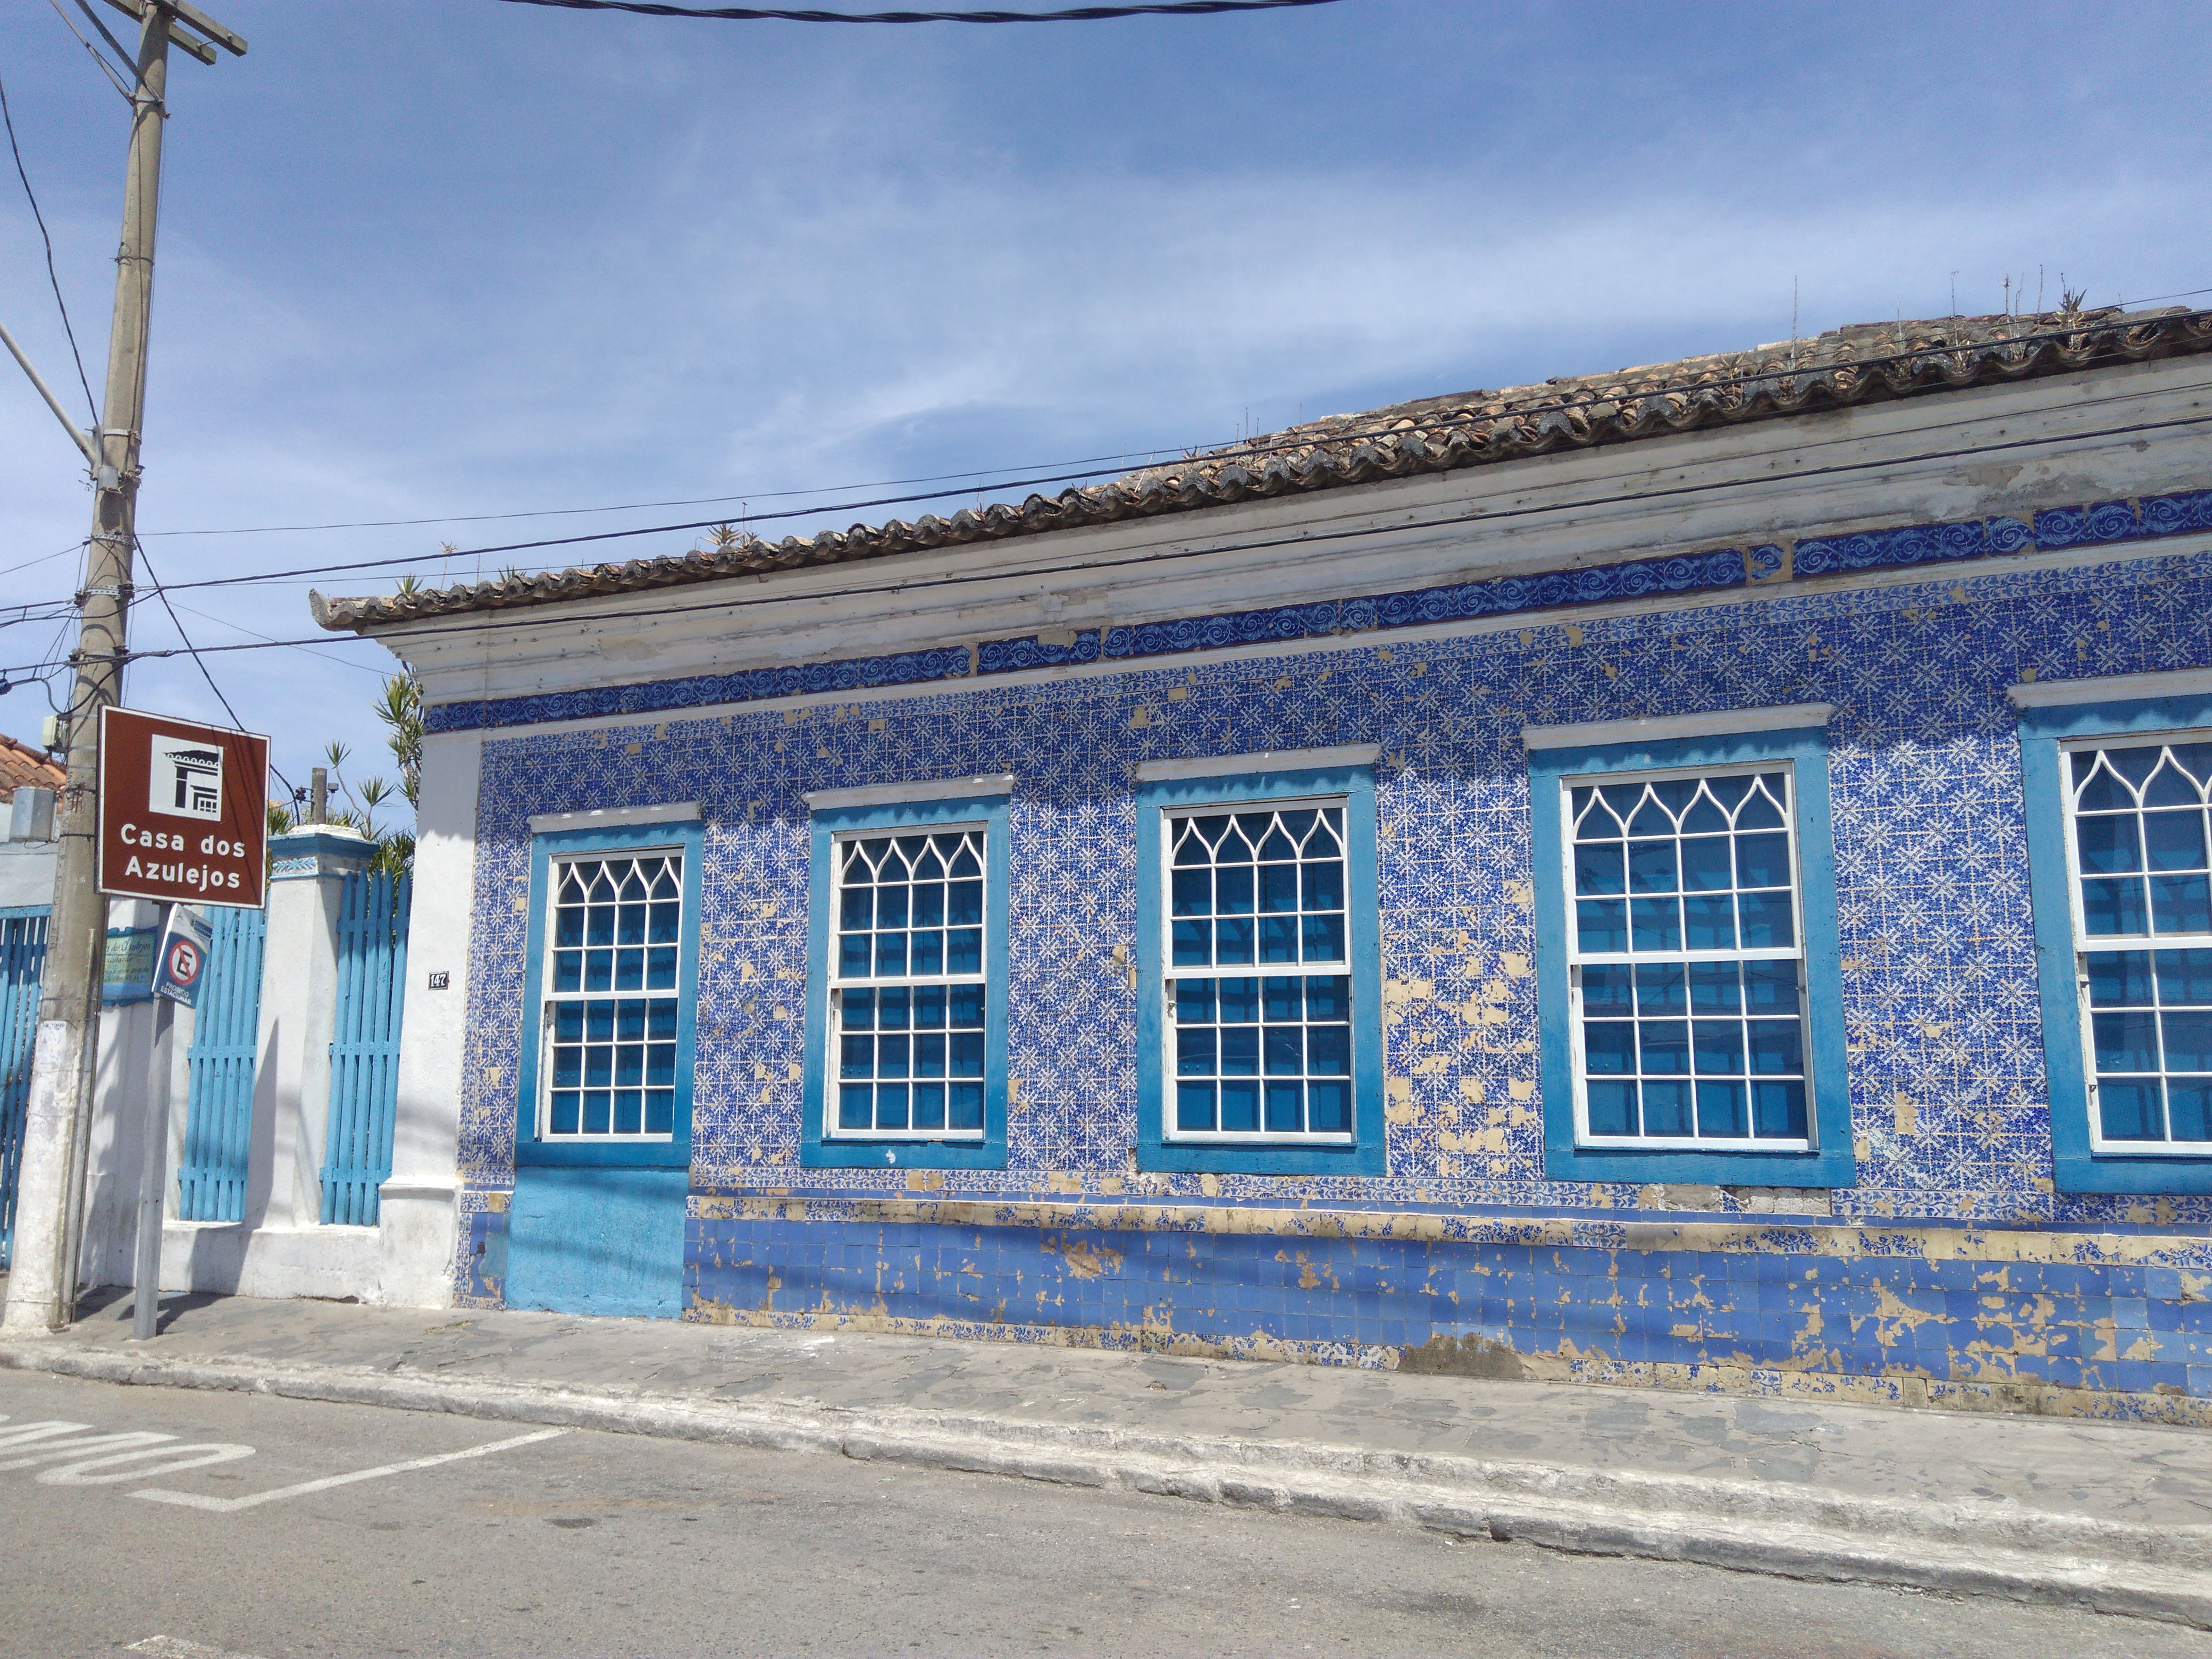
[{"x": 1948, "y": 1102}]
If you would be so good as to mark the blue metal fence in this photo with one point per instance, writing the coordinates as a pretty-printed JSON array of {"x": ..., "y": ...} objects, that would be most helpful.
[
  {"x": 23, "y": 956},
  {"x": 219, "y": 1108},
  {"x": 372, "y": 916}
]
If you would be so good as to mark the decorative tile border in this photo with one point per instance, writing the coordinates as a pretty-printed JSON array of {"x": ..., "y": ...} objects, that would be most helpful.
[{"x": 1717, "y": 570}]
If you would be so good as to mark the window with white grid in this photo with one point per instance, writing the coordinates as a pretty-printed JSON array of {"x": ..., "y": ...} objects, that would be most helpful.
[
  {"x": 1687, "y": 958},
  {"x": 907, "y": 986},
  {"x": 610, "y": 998},
  {"x": 2142, "y": 929},
  {"x": 1259, "y": 982}
]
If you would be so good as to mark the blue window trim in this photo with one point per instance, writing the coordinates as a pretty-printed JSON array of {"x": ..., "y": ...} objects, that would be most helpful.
[
  {"x": 676, "y": 1152},
  {"x": 1830, "y": 1163},
  {"x": 819, "y": 1151},
  {"x": 1367, "y": 1153},
  {"x": 2076, "y": 1169}
]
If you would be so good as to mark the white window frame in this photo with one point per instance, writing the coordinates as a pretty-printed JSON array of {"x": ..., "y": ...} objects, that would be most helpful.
[
  {"x": 1169, "y": 973},
  {"x": 2103, "y": 942},
  {"x": 1577, "y": 959},
  {"x": 834, "y": 1021},
  {"x": 550, "y": 1000}
]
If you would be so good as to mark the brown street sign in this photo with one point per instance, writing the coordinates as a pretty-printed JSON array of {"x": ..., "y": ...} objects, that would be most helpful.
[{"x": 184, "y": 814}]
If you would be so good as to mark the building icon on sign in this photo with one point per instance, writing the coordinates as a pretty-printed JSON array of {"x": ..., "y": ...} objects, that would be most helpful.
[{"x": 185, "y": 779}]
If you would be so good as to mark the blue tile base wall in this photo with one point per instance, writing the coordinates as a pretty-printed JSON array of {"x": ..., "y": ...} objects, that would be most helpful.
[
  {"x": 1915, "y": 1316},
  {"x": 596, "y": 1241},
  {"x": 480, "y": 1275}
]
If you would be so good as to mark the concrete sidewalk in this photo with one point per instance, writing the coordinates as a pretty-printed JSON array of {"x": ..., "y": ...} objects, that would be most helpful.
[{"x": 2112, "y": 1516}]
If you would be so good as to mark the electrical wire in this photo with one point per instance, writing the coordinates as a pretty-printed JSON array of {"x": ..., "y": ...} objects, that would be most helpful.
[
  {"x": 46, "y": 558},
  {"x": 121, "y": 90},
  {"x": 1167, "y": 551},
  {"x": 123, "y": 53},
  {"x": 1310, "y": 439},
  {"x": 1123, "y": 458},
  {"x": 1209, "y": 452},
  {"x": 200, "y": 662},
  {"x": 778, "y": 15},
  {"x": 270, "y": 639},
  {"x": 52, "y": 277}
]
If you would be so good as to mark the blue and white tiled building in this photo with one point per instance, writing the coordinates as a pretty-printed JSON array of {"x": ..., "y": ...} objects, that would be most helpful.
[{"x": 1696, "y": 876}]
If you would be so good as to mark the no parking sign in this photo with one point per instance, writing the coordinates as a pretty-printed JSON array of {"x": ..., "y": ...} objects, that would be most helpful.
[{"x": 182, "y": 957}]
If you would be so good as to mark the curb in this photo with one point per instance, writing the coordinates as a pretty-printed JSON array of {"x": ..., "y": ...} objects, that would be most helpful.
[{"x": 1965, "y": 1547}]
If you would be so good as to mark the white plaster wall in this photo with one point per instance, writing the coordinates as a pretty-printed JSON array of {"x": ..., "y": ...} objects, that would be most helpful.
[{"x": 420, "y": 1203}]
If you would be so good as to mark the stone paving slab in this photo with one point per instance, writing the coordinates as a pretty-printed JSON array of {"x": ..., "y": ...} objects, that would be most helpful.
[{"x": 2144, "y": 1473}]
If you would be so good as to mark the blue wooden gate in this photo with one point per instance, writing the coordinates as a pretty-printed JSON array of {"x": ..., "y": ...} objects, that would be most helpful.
[
  {"x": 372, "y": 914},
  {"x": 219, "y": 1107},
  {"x": 23, "y": 956}
]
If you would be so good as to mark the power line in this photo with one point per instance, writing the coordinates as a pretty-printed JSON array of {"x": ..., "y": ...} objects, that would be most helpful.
[
  {"x": 77, "y": 546},
  {"x": 52, "y": 276},
  {"x": 778, "y": 15},
  {"x": 270, "y": 639},
  {"x": 645, "y": 529},
  {"x": 1124, "y": 458},
  {"x": 1166, "y": 551},
  {"x": 1211, "y": 452},
  {"x": 105, "y": 68},
  {"x": 1296, "y": 438},
  {"x": 200, "y": 663}
]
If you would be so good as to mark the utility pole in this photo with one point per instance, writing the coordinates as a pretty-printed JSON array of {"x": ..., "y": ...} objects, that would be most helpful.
[{"x": 42, "y": 1283}]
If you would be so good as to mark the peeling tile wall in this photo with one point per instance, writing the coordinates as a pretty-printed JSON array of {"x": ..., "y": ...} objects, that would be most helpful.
[
  {"x": 1927, "y": 1316},
  {"x": 1949, "y": 1107}
]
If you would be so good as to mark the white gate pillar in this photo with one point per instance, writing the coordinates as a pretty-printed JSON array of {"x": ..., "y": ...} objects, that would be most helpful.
[
  {"x": 299, "y": 1015},
  {"x": 419, "y": 1204}
]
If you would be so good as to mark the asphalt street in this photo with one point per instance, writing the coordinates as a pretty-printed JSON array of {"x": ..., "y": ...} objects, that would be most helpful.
[{"x": 239, "y": 1534}]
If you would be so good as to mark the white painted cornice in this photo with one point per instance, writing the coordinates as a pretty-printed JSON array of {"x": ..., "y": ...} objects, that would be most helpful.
[
  {"x": 1667, "y": 728},
  {"x": 615, "y": 818},
  {"x": 2111, "y": 688},
  {"x": 899, "y": 795},
  {"x": 1266, "y": 760}
]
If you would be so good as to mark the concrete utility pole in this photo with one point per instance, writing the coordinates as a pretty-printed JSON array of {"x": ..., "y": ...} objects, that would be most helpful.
[{"x": 50, "y": 1198}]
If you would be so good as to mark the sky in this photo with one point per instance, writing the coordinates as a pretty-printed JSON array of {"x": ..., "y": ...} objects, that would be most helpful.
[{"x": 453, "y": 259}]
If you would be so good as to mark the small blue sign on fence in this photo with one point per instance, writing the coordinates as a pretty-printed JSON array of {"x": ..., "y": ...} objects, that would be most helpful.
[{"x": 181, "y": 962}]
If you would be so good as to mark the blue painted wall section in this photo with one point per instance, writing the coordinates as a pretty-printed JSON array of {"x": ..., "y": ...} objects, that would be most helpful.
[
  {"x": 596, "y": 1241},
  {"x": 1950, "y": 1120}
]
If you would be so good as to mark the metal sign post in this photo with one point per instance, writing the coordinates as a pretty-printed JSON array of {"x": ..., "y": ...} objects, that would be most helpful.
[
  {"x": 183, "y": 819},
  {"x": 179, "y": 963}
]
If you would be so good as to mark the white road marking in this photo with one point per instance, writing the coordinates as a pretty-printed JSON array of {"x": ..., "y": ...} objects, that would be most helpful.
[
  {"x": 39, "y": 1430},
  {"x": 55, "y": 1450},
  {"x": 230, "y": 1505},
  {"x": 195, "y": 1456},
  {"x": 175, "y": 1647}
]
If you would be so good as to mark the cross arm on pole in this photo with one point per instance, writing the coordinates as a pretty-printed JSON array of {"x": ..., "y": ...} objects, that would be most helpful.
[{"x": 184, "y": 18}]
